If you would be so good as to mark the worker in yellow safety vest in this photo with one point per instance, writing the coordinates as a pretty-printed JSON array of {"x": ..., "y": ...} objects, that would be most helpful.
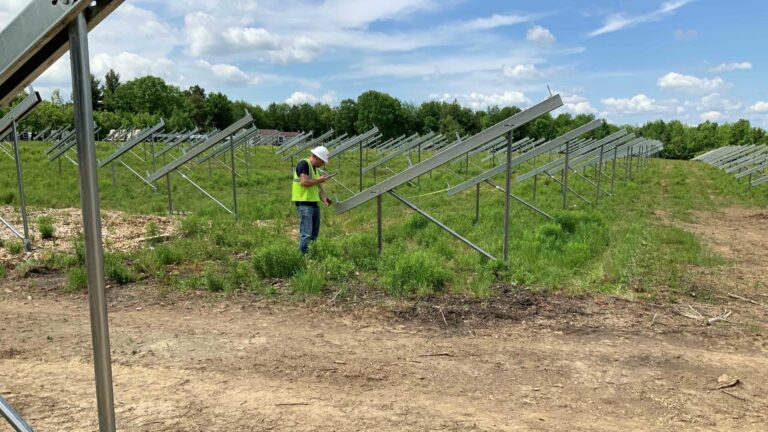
[{"x": 307, "y": 192}]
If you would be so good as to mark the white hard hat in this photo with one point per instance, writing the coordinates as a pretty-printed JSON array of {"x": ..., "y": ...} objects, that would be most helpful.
[{"x": 322, "y": 153}]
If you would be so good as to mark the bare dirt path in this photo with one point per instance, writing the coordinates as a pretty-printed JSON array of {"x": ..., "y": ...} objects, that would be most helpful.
[
  {"x": 201, "y": 362},
  {"x": 741, "y": 236}
]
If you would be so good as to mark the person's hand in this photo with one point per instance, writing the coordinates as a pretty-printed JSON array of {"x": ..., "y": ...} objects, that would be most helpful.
[
  {"x": 323, "y": 178},
  {"x": 327, "y": 201}
]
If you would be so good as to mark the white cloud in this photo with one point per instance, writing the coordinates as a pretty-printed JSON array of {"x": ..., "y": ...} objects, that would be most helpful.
[
  {"x": 228, "y": 74},
  {"x": 685, "y": 35},
  {"x": 725, "y": 67},
  {"x": 249, "y": 38},
  {"x": 494, "y": 21},
  {"x": 480, "y": 101},
  {"x": 298, "y": 98},
  {"x": 577, "y": 104},
  {"x": 133, "y": 29},
  {"x": 210, "y": 35},
  {"x": 688, "y": 83},
  {"x": 715, "y": 102},
  {"x": 637, "y": 105},
  {"x": 301, "y": 49},
  {"x": 712, "y": 116},
  {"x": 540, "y": 36},
  {"x": 522, "y": 72},
  {"x": 618, "y": 22},
  {"x": 131, "y": 65},
  {"x": 759, "y": 107}
]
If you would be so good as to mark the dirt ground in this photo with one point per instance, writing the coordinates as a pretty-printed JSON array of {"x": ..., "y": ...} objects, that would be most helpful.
[
  {"x": 203, "y": 362},
  {"x": 121, "y": 231}
]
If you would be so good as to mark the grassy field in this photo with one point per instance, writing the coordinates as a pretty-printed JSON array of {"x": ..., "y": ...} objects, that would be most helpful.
[{"x": 627, "y": 246}]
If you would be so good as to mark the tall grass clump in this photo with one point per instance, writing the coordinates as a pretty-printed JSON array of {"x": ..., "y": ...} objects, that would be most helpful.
[
  {"x": 418, "y": 272},
  {"x": 7, "y": 198},
  {"x": 45, "y": 227},
  {"x": 77, "y": 280},
  {"x": 14, "y": 247},
  {"x": 362, "y": 250},
  {"x": 280, "y": 260},
  {"x": 308, "y": 281},
  {"x": 116, "y": 270}
]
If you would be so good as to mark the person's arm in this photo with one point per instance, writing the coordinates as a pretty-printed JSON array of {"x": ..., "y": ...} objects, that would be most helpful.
[
  {"x": 302, "y": 169},
  {"x": 324, "y": 197},
  {"x": 308, "y": 181}
]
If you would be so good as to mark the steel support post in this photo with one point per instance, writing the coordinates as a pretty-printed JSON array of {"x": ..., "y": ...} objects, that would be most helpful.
[
  {"x": 507, "y": 198},
  {"x": 22, "y": 197},
  {"x": 599, "y": 175},
  {"x": 234, "y": 178},
  {"x": 477, "y": 204},
  {"x": 360, "y": 167},
  {"x": 629, "y": 162},
  {"x": 379, "y": 223},
  {"x": 565, "y": 174},
  {"x": 613, "y": 167},
  {"x": 441, "y": 225},
  {"x": 12, "y": 417},
  {"x": 152, "y": 148},
  {"x": 535, "y": 182},
  {"x": 247, "y": 160},
  {"x": 168, "y": 189},
  {"x": 89, "y": 197}
]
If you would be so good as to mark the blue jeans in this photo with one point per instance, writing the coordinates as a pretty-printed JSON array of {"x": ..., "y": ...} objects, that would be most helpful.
[{"x": 309, "y": 225}]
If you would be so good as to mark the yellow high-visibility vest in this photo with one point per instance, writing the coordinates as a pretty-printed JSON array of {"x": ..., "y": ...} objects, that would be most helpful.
[{"x": 303, "y": 193}]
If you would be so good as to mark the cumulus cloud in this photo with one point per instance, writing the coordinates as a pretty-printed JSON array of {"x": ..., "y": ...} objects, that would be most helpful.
[
  {"x": 480, "y": 101},
  {"x": 298, "y": 98},
  {"x": 522, "y": 72},
  {"x": 639, "y": 104},
  {"x": 688, "y": 83},
  {"x": 577, "y": 104},
  {"x": 712, "y": 116},
  {"x": 622, "y": 21},
  {"x": 760, "y": 106},
  {"x": 716, "y": 102},
  {"x": 210, "y": 35},
  {"x": 131, "y": 65},
  {"x": 228, "y": 74},
  {"x": 540, "y": 36},
  {"x": 726, "y": 67}
]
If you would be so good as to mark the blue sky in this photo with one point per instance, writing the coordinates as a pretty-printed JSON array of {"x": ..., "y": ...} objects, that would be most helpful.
[{"x": 628, "y": 61}]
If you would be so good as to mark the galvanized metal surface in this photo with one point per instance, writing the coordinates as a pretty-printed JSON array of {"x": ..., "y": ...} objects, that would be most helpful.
[
  {"x": 451, "y": 153},
  {"x": 136, "y": 140},
  {"x": 558, "y": 162},
  {"x": 89, "y": 197},
  {"x": 354, "y": 141},
  {"x": 197, "y": 150},
  {"x": 38, "y": 36},
  {"x": 13, "y": 417},
  {"x": 525, "y": 157}
]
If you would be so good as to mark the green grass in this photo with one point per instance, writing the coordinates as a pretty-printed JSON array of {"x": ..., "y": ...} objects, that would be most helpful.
[
  {"x": 14, "y": 247},
  {"x": 45, "y": 227},
  {"x": 308, "y": 281},
  {"x": 627, "y": 246}
]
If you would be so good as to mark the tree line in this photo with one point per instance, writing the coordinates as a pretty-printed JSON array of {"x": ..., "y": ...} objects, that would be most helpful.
[{"x": 141, "y": 102}]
